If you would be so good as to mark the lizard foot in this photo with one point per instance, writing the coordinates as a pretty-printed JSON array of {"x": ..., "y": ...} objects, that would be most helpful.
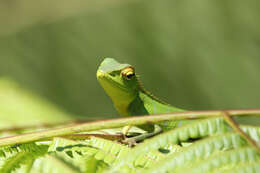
[{"x": 131, "y": 142}]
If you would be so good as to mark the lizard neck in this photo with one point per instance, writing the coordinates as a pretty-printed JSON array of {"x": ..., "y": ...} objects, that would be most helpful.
[
  {"x": 142, "y": 90},
  {"x": 146, "y": 103}
]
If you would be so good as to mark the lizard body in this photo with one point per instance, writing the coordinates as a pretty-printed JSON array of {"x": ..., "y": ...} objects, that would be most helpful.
[{"x": 128, "y": 94}]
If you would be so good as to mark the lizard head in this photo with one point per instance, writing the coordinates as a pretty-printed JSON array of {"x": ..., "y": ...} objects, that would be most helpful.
[{"x": 118, "y": 80}]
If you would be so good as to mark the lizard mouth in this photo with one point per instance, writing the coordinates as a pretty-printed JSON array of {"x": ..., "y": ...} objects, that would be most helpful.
[{"x": 102, "y": 76}]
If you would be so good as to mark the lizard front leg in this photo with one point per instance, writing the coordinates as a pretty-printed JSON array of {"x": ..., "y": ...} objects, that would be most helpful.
[{"x": 133, "y": 140}]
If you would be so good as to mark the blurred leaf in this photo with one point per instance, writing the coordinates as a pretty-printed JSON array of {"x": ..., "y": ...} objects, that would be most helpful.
[{"x": 20, "y": 107}]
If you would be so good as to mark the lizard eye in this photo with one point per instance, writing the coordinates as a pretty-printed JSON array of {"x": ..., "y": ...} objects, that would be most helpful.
[
  {"x": 128, "y": 73},
  {"x": 129, "y": 76}
]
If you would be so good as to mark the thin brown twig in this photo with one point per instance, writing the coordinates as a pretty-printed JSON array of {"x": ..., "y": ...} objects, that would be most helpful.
[
  {"x": 80, "y": 121},
  {"x": 120, "y": 122},
  {"x": 236, "y": 127},
  {"x": 41, "y": 125},
  {"x": 87, "y": 136}
]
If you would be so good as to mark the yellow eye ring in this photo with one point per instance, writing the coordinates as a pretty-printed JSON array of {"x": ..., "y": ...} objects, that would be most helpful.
[{"x": 129, "y": 75}]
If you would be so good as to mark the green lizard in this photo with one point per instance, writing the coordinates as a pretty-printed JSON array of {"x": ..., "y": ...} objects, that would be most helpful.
[{"x": 129, "y": 96}]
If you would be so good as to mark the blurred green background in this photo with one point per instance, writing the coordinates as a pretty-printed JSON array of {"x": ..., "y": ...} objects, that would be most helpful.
[{"x": 193, "y": 54}]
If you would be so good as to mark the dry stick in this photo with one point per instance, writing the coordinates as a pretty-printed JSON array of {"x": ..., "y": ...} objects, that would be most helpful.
[
  {"x": 236, "y": 127},
  {"x": 88, "y": 136},
  {"x": 43, "y": 125},
  {"x": 46, "y": 125},
  {"x": 114, "y": 123}
]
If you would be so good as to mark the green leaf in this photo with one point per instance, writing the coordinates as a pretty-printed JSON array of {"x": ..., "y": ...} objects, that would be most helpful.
[
  {"x": 52, "y": 164},
  {"x": 24, "y": 154},
  {"x": 226, "y": 160},
  {"x": 194, "y": 130},
  {"x": 100, "y": 149},
  {"x": 20, "y": 107},
  {"x": 253, "y": 167},
  {"x": 94, "y": 165},
  {"x": 200, "y": 150},
  {"x": 252, "y": 131},
  {"x": 29, "y": 147}
]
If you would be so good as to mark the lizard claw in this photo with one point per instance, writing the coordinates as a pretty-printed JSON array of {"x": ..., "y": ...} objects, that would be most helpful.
[{"x": 129, "y": 141}]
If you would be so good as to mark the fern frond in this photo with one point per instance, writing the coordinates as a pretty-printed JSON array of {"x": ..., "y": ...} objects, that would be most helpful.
[
  {"x": 52, "y": 164},
  {"x": 99, "y": 148},
  {"x": 194, "y": 130},
  {"x": 199, "y": 151},
  {"x": 24, "y": 154},
  {"x": 29, "y": 147},
  {"x": 226, "y": 160},
  {"x": 243, "y": 168},
  {"x": 252, "y": 131},
  {"x": 95, "y": 166},
  {"x": 108, "y": 146},
  {"x": 96, "y": 151}
]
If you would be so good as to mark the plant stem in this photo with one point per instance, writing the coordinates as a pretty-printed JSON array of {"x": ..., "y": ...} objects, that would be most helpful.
[
  {"x": 114, "y": 123},
  {"x": 88, "y": 136},
  {"x": 236, "y": 127},
  {"x": 43, "y": 125}
]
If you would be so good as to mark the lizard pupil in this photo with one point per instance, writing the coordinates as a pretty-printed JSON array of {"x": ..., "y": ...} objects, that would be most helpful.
[{"x": 129, "y": 76}]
